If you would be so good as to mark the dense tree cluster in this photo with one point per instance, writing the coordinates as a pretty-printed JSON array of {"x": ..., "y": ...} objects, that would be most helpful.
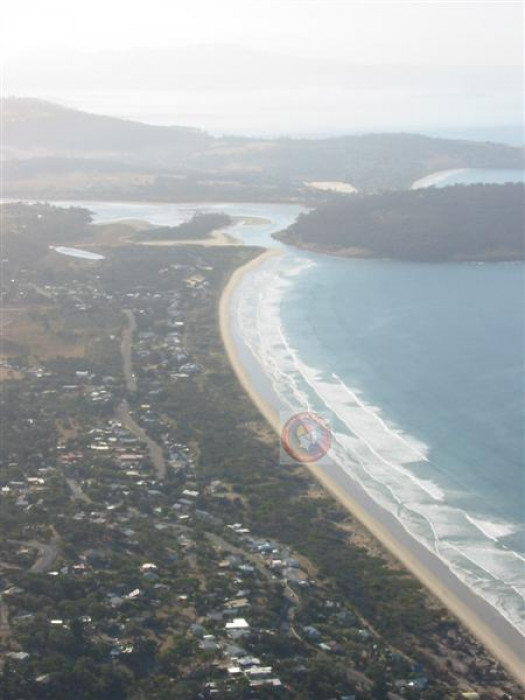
[{"x": 461, "y": 223}]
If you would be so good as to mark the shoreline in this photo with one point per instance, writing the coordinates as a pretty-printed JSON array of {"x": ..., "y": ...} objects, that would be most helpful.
[
  {"x": 496, "y": 633},
  {"x": 436, "y": 178},
  {"x": 190, "y": 203},
  {"x": 367, "y": 254},
  {"x": 219, "y": 237}
]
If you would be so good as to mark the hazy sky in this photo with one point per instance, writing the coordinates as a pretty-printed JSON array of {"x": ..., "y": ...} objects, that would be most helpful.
[
  {"x": 413, "y": 32},
  {"x": 449, "y": 38}
]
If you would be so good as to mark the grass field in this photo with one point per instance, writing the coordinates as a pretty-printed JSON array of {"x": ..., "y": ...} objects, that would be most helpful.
[{"x": 37, "y": 332}]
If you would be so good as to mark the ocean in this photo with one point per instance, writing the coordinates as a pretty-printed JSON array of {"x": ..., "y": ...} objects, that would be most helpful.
[{"x": 420, "y": 370}]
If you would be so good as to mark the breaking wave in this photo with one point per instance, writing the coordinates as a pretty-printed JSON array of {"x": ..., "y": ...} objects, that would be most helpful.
[{"x": 384, "y": 459}]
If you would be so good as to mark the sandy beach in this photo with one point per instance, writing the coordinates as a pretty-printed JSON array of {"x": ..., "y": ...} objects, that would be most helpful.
[
  {"x": 333, "y": 186},
  {"x": 484, "y": 621},
  {"x": 216, "y": 238},
  {"x": 219, "y": 237},
  {"x": 436, "y": 178}
]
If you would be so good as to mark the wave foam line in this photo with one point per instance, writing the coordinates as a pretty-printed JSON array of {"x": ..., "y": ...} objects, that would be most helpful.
[{"x": 452, "y": 530}]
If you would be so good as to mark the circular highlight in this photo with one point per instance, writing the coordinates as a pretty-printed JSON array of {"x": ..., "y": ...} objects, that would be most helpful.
[{"x": 306, "y": 437}]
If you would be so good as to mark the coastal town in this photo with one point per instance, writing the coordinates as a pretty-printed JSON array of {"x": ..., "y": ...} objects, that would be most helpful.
[{"x": 145, "y": 550}]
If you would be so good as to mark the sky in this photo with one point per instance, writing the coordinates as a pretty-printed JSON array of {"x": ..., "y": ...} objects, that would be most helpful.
[
  {"x": 458, "y": 39},
  {"x": 407, "y": 32}
]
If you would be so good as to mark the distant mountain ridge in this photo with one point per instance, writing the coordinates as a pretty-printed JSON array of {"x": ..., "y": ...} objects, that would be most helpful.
[
  {"x": 51, "y": 129},
  {"x": 173, "y": 162}
]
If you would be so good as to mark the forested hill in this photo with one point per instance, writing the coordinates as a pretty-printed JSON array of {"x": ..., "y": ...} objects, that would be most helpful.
[
  {"x": 39, "y": 128},
  {"x": 55, "y": 152},
  {"x": 461, "y": 223}
]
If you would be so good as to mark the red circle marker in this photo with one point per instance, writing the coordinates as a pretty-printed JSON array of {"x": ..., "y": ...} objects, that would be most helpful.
[{"x": 306, "y": 437}]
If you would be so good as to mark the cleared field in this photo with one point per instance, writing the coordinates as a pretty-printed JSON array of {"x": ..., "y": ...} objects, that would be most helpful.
[{"x": 35, "y": 331}]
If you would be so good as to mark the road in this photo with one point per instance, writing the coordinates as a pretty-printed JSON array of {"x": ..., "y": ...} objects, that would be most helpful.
[
  {"x": 40, "y": 290},
  {"x": 47, "y": 553},
  {"x": 5, "y": 629},
  {"x": 233, "y": 549},
  {"x": 126, "y": 351},
  {"x": 76, "y": 491},
  {"x": 154, "y": 449}
]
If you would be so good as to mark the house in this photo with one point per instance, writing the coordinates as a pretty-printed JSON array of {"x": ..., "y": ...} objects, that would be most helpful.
[
  {"x": 148, "y": 566},
  {"x": 237, "y": 603},
  {"x": 209, "y": 643},
  {"x": 237, "y": 628},
  {"x": 249, "y": 661},
  {"x": 18, "y": 655},
  {"x": 259, "y": 672},
  {"x": 239, "y": 623},
  {"x": 197, "y": 630}
]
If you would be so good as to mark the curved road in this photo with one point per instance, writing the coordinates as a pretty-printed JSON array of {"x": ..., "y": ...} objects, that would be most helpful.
[{"x": 154, "y": 449}]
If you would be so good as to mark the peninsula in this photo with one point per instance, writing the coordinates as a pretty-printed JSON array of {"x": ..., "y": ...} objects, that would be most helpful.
[{"x": 462, "y": 223}]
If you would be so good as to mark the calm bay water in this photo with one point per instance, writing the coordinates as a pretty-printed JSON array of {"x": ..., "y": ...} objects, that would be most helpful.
[{"x": 421, "y": 368}]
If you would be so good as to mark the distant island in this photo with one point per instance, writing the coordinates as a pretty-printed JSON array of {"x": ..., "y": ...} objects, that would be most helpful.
[
  {"x": 461, "y": 223},
  {"x": 200, "y": 226}
]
